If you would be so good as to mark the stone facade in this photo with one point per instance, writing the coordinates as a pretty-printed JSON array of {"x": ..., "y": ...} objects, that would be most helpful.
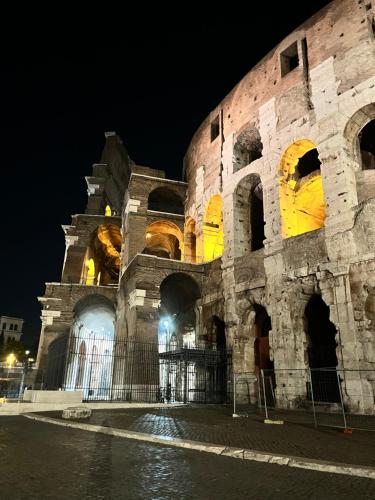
[{"x": 315, "y": 92}]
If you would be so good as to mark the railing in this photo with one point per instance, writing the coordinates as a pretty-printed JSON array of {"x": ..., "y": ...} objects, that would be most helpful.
[
  {"x": 128, "y": 370},
  {"x": 329, "y": 397}
]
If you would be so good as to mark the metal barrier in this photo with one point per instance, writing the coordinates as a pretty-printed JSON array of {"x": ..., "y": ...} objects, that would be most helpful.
[
  {"x": 321, "y": 397},
  {"x": 128, "y": 370}
]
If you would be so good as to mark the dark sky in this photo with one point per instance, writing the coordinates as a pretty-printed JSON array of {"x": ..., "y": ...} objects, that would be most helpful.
[{"x": 65, "y": 81}]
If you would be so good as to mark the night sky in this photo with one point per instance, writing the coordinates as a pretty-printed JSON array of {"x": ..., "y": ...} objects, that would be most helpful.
[{"x": 152, "y": 77}]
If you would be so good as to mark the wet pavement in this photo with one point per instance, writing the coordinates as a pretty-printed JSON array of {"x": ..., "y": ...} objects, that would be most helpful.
[
  {"x": 44, "y": 461},
  {"x": 215, "y": 424}
]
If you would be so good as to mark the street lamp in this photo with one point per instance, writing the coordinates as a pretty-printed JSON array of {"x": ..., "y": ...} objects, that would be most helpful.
[
  {"x": 11, "y": 359},
  {"x": 26, "y": 367}
]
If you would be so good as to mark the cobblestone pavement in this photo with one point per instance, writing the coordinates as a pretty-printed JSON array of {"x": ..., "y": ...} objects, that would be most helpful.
[
  {"x": 43, "y": 461},
  {"x": 215, "y": 424}
]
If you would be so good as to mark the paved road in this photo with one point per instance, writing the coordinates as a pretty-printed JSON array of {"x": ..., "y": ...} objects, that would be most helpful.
[
  {"x": 43, "y": 461},
  {"x": 215, "y": 424}
]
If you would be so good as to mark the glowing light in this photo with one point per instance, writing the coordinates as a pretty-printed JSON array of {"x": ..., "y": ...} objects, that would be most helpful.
[
  {"x": 90, "y": 272},
  {"x": 213, "y": 229},
  {"x": 11, "y": 359},
  {"x": 108, "y": 211},
  {"x": 302, "y": 203}
]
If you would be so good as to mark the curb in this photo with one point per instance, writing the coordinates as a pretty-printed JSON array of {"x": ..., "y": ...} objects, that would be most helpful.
[{"x": 244, "y": 454}]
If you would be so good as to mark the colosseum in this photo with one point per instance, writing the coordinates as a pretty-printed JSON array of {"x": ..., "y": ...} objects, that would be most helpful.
[{"x": 261, "y": 259}]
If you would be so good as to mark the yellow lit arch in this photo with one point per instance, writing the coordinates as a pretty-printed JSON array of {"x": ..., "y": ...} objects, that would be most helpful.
[
  {"x": 158, "y": 235},
  {"x": 302, "y": 203},
  {"x": 108, "y": 211},
  {"x": 213, "y": 229},
  {"x": 90, "y": 278}
]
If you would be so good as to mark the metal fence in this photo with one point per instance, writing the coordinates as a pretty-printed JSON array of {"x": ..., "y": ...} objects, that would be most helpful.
[
  {"x": 14, "y": 379},
  {"x": 107, "y": 369},
  {"x": 328, "y": 397}
]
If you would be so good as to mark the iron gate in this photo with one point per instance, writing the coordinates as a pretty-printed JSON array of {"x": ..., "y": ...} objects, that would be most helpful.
[{"x": 106, "y": 369}]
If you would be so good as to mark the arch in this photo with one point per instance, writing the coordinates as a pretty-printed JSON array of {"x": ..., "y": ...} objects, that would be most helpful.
[
  {"x": 108, "y": 211},
  {"x": 219, "y": 331},
  {"x": 247, "y": 148},
  {"x": 249, "y": 215},
  {"x": 163, "y": 199},
  {"x": 357, "y": 122},
  {"x": 322, "y": 358},
  {"x": 190, "y": 254},
  {"x": 262, "y": 328},
  {"x": 164, "y": 239},
  {"x": 213, "y": 229},
  {"x": 91, "y": 346},
  {"x": 104, "y": 252},
  {"x": 179, "y": 293},
  {"x": 359, "y": 133},
  {"x": 92, "y": 301},
  {"x": 302, "y": 203},
  {"x": 366, "y": 138}
]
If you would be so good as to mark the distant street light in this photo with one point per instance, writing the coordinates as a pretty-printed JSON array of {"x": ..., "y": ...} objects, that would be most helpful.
[
  {"x": 11, "y": 359},
  {"x": 26, "y": 367}
]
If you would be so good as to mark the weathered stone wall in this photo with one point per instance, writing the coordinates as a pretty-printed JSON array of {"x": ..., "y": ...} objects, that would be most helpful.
[{"x": 327, "y": 99}]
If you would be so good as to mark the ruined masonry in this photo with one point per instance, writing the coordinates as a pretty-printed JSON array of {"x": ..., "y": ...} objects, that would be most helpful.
[{"x": 265, "y": 248}]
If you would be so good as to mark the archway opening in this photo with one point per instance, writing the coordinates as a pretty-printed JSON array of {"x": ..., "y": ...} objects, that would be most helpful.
[
  {"x": 301, "y": 189},
  {"x": 248, "y": 148},
  {"x": 213, "y": 229},
  {"x": 165, "y": 200},
  {"x": 262, "y": 327},
  {"x": 164, "y": 239},
  {"x": 321, "y": 352},
  {"x": 90, "y": 348},
  {"x": 366, "y": 139},
  {"x": 249, "y": 215},
  {"x": 219, "y": 329},
  {"x": 257, "y": 217},
  {"x": 178, "y": 295},
  {"x": 102, "y": 264},
  {"x": 177, "y": 338}
]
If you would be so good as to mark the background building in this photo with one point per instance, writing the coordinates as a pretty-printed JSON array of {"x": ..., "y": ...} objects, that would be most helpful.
[{"x": 11, "y": 328}]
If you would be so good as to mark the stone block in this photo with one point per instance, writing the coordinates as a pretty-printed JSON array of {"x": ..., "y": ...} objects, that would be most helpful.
[{"x": 76, "y": 412}]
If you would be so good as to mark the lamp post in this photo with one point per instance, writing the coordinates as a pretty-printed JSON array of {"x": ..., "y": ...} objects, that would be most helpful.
[{"x": 25, "y": 368}]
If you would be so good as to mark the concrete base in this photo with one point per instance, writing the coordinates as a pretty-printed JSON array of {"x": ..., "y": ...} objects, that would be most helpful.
[
  {"x": 17, "y": 408},
  {"x": 70, "y": 397}
]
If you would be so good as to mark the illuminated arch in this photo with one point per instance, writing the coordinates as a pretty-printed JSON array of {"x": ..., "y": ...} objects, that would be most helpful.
[
  {"x": 90, "y": 278},
  {"x": 302, "y": 203},
  {"x": 164, "y": 239},
  {"x": 213, "y": 229},
  {"x": 103, "y": 260},
  {"x": 91, "y": 346},
  {"x": 108, "y": 211}
]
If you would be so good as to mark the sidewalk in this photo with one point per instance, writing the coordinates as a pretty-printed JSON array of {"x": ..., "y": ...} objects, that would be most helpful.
[{"x": 215, "y": 425}]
